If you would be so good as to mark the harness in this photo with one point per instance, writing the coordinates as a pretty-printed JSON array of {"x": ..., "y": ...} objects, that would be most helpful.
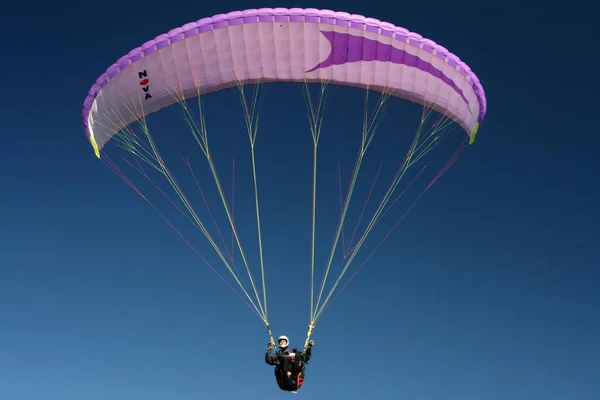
[{"x": 296, "y": 367}]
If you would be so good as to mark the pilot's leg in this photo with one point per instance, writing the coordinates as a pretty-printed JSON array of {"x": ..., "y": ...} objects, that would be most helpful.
[{"x": 291, "y": 382}]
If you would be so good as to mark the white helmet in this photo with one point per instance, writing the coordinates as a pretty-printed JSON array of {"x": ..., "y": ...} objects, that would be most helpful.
[{"x": 283, "y": 337}]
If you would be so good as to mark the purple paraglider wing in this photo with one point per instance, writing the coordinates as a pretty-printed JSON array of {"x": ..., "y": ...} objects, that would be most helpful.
[{"x": 280, "y": 45}]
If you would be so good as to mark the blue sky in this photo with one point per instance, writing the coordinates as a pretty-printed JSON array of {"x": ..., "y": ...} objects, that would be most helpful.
[{"x": 488, "y": 289}]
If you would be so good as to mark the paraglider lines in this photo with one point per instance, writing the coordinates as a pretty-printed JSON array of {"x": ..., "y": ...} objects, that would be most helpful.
[
  {"x": 316, "y": 121},
  {"x": 251, "y": 118},
  {"x": 200, "y": 134},
  {"x": 150, "y": 154},
  {"x": 422, "y": 142},
  {"x": 443, "y": 170},
  {"x": 112, "y": 166},
  {"x": 368, "y": 132}
]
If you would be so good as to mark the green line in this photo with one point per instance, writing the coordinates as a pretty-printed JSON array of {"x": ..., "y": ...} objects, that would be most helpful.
[
  {"x": 251, "y": 125},
  {"x": 367, "y": 136},
  {"x": 182, "y": 197}
]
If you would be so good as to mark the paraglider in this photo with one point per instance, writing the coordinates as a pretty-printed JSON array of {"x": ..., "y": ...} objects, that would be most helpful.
[
  {"x": 245, "y": 49},
  {"x": 290, "y": 365}
]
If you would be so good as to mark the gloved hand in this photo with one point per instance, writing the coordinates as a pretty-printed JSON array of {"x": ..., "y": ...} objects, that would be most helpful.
[{"x": 311, "y": 343}]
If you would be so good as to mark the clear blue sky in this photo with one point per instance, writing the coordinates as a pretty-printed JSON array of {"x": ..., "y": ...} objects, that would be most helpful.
[{"x": 489, "y": 289}]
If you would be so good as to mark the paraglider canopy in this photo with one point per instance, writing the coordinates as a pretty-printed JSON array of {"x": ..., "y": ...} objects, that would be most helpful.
[{"x": 281, "y": 45}]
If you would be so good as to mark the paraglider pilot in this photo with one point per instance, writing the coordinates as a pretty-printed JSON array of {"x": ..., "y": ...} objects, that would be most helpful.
[{"x": 289, "y": 365}]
